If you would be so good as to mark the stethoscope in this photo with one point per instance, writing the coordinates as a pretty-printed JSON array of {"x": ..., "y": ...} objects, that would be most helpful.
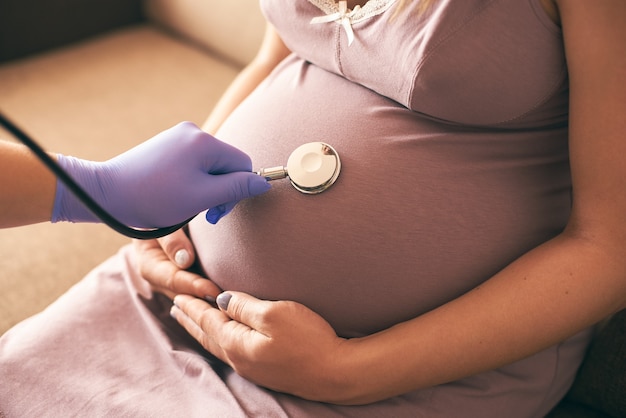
[{"x": 311, "y": 168}]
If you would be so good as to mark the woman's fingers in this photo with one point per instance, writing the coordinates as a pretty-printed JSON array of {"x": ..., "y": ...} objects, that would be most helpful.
[
  {"x": 158, "y": 265},
  {"x": 178, "y": 248}
]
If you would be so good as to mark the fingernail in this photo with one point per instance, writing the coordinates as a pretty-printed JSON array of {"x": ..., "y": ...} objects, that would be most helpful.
[
  {"x": 210, "y": 299},
  {"x": 182, "y": 258},
  {"x": 223, "y": 299},
  {"x": 173, "y": 311}
]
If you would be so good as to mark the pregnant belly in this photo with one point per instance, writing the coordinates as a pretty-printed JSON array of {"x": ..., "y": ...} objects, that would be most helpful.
[{"x": 420, "y": 214}]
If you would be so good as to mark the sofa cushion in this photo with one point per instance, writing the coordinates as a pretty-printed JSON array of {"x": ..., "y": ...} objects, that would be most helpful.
[
  {"x": 569, "y": 409},
  {"x": 231, "y": 29}
]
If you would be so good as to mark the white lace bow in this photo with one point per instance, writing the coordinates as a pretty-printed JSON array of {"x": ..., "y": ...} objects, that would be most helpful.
[{"x": 343, "y": 17}]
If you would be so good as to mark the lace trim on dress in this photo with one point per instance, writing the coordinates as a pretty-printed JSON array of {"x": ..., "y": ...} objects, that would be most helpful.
[{"x": 339, "y": 13}]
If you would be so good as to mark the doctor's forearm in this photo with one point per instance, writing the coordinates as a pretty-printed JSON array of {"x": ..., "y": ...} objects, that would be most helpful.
[
  {"x": 28, "y": 188},
  {"x": 541, "y": 299}
]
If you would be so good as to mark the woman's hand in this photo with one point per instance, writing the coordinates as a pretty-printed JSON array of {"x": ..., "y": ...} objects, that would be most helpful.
[
  {"x": 280, "y": 345},
  {"x": 164, "y": 263}
]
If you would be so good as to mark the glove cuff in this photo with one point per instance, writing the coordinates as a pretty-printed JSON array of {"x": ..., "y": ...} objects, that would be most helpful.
[{"x": 67, "y": 207}]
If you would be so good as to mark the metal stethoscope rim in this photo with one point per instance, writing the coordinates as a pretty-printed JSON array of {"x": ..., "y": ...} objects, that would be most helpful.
[{"x": 312, "y": 168}]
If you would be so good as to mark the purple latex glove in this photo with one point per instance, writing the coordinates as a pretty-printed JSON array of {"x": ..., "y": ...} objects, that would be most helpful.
[{"x": 162, "y": 182}]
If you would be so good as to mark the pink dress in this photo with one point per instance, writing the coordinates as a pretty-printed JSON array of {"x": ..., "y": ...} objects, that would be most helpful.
[{"x": 452, "y": 129}]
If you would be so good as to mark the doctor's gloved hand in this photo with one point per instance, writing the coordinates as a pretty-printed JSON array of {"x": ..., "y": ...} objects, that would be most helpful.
[{"x": 163, "y": 181}]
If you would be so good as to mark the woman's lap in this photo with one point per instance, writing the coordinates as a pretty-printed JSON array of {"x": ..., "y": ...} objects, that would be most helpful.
[{"x": 109, "y": 347}]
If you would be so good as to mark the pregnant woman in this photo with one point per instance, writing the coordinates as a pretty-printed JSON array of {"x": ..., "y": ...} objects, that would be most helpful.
[{"x": 455, "y": 268}]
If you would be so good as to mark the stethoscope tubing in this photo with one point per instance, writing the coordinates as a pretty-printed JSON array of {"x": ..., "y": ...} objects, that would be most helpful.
[{"x": 79, "y": 192}]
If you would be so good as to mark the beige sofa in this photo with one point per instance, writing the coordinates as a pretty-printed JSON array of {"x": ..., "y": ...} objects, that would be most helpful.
[{"x": 92, "y": 79}]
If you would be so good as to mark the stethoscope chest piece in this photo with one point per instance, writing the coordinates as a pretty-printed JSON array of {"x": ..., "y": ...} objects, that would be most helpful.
[{"x": 311, "y": 168}]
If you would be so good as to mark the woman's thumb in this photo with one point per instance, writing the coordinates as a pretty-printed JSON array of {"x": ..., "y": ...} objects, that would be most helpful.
[{"x": 243, "y": 308}]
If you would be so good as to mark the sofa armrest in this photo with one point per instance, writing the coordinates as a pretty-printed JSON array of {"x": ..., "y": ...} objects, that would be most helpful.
[
  {"x": 600, "y": 385},
  {"x": 30, "y": 26},
  {"x": 601, "y": 380}
]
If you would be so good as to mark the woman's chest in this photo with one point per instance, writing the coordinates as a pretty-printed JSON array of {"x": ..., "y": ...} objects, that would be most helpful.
[{"x": 476, "y": 62}]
